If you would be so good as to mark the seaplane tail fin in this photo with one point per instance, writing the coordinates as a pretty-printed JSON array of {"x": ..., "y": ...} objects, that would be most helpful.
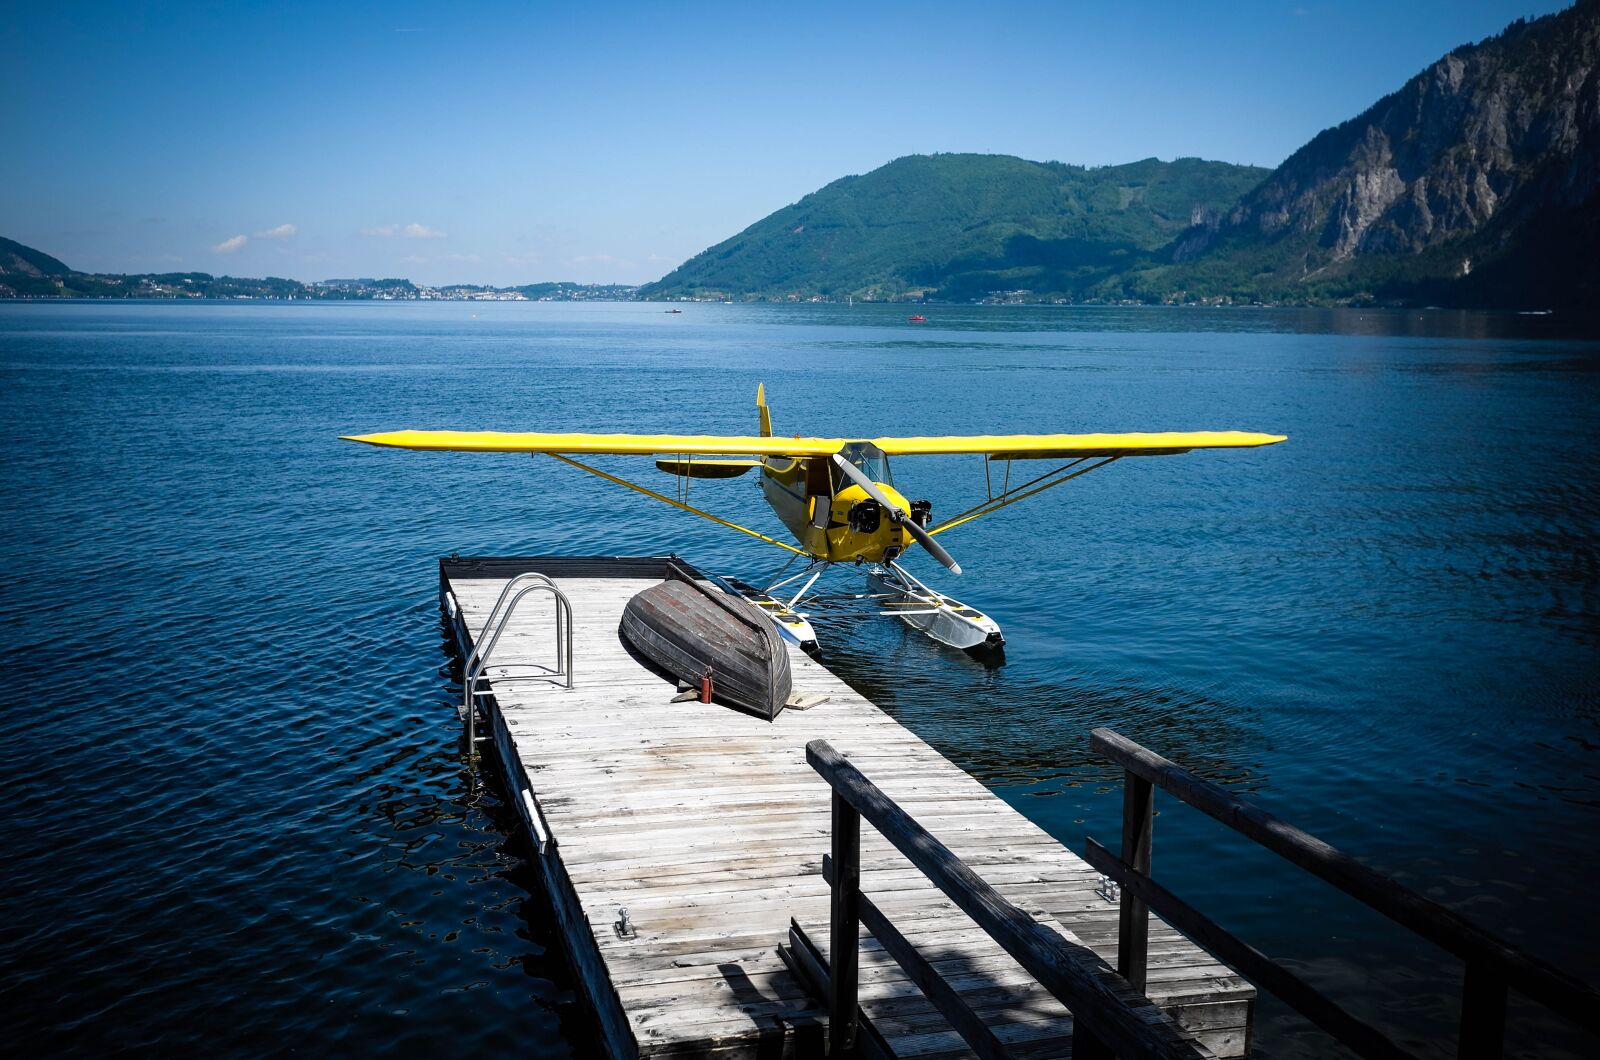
[{"x": 766, "y": 413}]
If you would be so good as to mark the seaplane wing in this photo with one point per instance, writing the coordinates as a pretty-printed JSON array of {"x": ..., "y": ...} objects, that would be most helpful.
[
  {"x": 995, "y": 446},
  {"x": 1058, "y": 446},
  {"x": 619, "y": 444}
]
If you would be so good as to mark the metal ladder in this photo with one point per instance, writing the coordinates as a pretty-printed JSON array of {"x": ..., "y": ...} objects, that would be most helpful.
[{"x": 484, "y": 643}]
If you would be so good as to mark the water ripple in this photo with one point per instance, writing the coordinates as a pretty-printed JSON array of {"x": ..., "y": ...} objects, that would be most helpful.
[{"x": 237, "y": 816}]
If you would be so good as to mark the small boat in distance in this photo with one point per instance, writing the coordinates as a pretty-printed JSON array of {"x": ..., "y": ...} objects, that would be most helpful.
[
  {"x": 918, "y": 319},
  {"x": 674, "y": 310},
  {"x": 712, "y": 640}
]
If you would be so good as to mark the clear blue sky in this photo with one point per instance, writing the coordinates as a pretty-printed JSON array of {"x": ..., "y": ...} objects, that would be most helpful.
[{"x": 509, "y": 143}]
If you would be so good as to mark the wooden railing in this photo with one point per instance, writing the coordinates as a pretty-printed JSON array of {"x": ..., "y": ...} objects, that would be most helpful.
[
  {"x": 1109, "y": 1016},
  {"x": 1492, "y": 966}
]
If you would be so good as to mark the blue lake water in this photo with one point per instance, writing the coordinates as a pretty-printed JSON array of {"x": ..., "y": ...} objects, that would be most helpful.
[{"x": 235, "y": 812}]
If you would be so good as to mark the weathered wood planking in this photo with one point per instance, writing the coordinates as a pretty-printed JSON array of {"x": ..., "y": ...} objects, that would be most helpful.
[{"x": 709, "y": 827}]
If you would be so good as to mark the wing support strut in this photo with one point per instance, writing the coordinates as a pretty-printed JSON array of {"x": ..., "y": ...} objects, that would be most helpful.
[
  {"x": 663, "y": 498},
  {"x": 1022, "y": 492}
]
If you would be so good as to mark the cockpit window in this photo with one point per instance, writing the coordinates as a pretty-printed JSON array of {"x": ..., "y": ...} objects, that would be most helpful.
[{"x": 869, "y": 458}]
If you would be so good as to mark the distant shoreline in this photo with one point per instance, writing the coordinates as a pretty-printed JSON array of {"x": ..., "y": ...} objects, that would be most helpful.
[{"x": 1566, "y": 315}]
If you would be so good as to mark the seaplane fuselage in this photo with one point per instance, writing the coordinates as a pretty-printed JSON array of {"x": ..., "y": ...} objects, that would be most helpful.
[{"x": 832, "y": 518}]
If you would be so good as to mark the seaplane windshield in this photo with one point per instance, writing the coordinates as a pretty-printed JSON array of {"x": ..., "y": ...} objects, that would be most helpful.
[{"x": 869, "y": 458}]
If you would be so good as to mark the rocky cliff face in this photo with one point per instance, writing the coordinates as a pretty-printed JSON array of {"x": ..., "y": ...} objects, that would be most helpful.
[{"x": 1483, "y": 140}]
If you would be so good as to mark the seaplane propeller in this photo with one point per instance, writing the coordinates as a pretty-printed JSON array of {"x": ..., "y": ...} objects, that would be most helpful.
[{"x": 895, "y": 514}]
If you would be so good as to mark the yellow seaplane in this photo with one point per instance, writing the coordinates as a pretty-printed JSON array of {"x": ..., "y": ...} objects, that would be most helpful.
[{"x": 837, "y": 498}]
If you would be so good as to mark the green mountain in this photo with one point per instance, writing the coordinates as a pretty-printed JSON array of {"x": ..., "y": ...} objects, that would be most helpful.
[
  {"x": 24, "y": 270},
  {"x": 962, "y": 226},
  {"x": 1476, "y": 183},
  {"x": 18, "y": 260}
]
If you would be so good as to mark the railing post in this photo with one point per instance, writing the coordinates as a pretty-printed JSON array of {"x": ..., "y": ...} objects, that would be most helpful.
[
  {"x": 1483, "y": 1013},
  {"x": 843, "y": 951},
  {"x": 1133, "y": 928}
]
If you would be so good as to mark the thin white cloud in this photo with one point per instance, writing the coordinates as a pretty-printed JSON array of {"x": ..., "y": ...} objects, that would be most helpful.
[
  {"x": 601, "y": 259},
  {"x": 412, "y": 259},
  {"x": 462, "y": 257},
  {"x": 283, "y": 231},
  {"x": 228, "y": 246},
  {"x": 410, "y": 231}
]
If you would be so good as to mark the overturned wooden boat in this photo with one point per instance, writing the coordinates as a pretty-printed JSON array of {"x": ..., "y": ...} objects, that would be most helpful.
[{"x": 689, "y": 630}]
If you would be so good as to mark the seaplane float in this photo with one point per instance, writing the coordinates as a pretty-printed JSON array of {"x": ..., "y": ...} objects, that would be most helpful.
[{"x": 838, "y": 500}]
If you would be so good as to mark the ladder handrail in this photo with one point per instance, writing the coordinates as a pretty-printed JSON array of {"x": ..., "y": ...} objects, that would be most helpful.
[
  {"x": 563, "y": 611},
  {"x": 494, "y": 611},
  {"x": 478, "y": 661}
]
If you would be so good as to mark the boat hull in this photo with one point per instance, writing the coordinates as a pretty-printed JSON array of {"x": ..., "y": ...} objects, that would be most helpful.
[{"x": 685, "y": 628}]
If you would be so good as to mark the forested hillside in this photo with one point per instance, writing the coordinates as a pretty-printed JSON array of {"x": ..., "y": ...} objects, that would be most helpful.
[{"x": 960, "y": 226}]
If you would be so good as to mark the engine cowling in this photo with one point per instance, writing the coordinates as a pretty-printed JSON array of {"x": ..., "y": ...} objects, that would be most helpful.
[{"x": 866, "y": 516}]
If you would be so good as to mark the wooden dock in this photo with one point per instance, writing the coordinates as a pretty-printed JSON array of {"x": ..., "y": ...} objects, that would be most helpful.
[{"x": 709, "y": 828}]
